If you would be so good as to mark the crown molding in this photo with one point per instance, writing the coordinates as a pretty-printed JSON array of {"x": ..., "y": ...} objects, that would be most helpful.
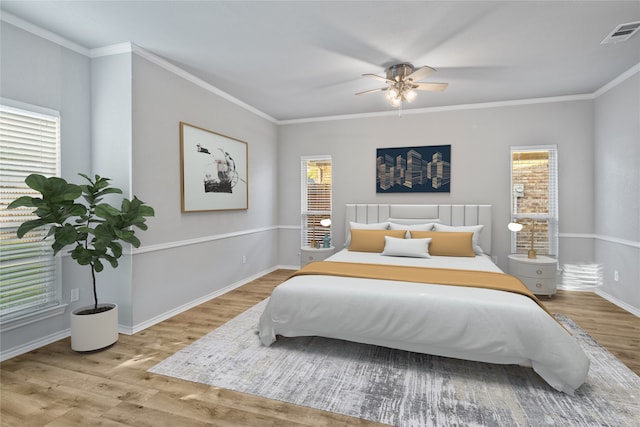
[
  {"x": 163, "y": 63},
  {"x": 41, "y": 32},
  {"x": 115, "y": 49},
  {"x": 480, "y": 105},
  {"x": 615, "y": 82}
]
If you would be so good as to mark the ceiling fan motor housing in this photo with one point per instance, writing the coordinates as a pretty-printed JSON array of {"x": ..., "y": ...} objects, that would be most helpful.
[{"x": 399, "y": 72}]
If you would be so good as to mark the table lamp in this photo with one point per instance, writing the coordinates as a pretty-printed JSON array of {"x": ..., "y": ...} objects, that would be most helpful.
[
  {"x": 515, "y": 226},
  {"x": 326, "y": 240}
]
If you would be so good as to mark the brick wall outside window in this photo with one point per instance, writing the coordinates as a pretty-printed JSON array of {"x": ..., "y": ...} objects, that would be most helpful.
[{"x": 532, "y": 170}]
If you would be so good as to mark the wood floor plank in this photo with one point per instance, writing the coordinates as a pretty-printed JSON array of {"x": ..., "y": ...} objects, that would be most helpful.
[
  {"x": 82, "y": 417},
  {"x": 55, "y": 386},
  {"x": 614, "y": 328},
  {"x": 141, "y": 416}
]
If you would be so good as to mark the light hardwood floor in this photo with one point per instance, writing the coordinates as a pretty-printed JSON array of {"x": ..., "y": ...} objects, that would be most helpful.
[{"x": 53, "y": 386}]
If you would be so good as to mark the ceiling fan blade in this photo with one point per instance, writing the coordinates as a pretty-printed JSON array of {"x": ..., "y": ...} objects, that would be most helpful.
[
  {"x": 381, "y": 89},
  {"x": 420, "y": 73},
  {"x": 380, "y": 78},
  {"x": 434, "y": 87}
]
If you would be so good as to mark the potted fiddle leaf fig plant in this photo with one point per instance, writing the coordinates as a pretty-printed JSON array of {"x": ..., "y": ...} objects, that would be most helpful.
[{"x": 94, "y": 232}]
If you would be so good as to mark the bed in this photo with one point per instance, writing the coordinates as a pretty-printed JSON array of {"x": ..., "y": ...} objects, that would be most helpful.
[{"x": 441, "y": 303}]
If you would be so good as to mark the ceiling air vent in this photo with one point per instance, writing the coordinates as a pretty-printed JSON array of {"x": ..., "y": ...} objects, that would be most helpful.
[{"x": 622, "y": 32}]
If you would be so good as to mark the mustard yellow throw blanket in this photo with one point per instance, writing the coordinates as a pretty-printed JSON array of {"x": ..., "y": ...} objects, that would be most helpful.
[{"x": 440, "y": 276}]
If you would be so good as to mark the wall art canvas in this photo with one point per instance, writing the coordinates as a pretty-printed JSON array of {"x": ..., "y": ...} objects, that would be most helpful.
[
  {"x": 424, "y": 169},
  {"x": 214, "y": 170}
]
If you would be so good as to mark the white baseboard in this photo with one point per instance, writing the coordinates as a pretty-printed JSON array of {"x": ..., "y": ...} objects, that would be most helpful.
[
  {"x": 623, "y": 305},
  {"x": 184, "y": 307},
  {"x": 33, "y": 345},
  {"x": 41, "y": 342}
]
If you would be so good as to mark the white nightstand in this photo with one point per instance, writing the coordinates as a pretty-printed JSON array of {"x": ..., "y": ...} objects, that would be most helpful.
[
  {"x": 539, "y": 274},
  {"x": 309, "y": 254}
]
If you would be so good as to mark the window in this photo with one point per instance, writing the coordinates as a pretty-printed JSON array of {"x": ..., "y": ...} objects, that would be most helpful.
[
  {"x": 534, "y": 198},
  {"x": 316, "y": 199},
  {"x": 29, "y": 142}
]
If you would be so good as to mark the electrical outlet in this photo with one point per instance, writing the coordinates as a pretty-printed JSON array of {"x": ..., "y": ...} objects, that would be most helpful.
[
  {"x": 616, "y": 276},
  {"x": 75, "y": 294},
  {"x": 244, "y": 259}
]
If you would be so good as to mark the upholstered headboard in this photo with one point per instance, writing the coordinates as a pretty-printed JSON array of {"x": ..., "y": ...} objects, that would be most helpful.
[{"x": 445, "y": 214}]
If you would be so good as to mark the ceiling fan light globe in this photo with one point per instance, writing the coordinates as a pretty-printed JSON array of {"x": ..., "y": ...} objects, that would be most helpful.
[
  {"x": 411, "y": 95},
  {"x": 392, "y": 93},
  {"x": 395, "y": 102}
]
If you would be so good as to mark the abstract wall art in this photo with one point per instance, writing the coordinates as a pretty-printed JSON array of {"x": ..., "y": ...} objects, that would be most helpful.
[
  {"x": 214, "y": 170},
  {"x": 424, "y": 169}
]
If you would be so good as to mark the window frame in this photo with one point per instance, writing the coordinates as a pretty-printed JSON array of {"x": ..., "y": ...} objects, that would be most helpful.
[
  {"x": 12, "y": 173},
  {"x": 307, "y": 232},
  {"x": 553, "y": 216}
]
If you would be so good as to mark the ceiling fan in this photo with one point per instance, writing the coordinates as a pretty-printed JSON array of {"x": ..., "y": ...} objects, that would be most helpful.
[{"x": 402, "y": 80}]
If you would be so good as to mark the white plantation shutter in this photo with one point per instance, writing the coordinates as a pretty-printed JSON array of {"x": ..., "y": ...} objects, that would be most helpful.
[
  {"x": 534, "y": 195},
  {"x": 316, "y": 197},
  {"x": 29, "y": 143}
]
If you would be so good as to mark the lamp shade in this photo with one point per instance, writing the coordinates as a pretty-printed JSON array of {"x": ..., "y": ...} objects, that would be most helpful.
[{"x": 515, "y": 226}]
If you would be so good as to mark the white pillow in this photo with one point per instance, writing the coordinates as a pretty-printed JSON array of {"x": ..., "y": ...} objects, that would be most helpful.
[
  {"x": 476, "y": 233},
  {"x": 415, "y": 227},
  {"x": 415, "y": 248},
  {"x": 363, "y": 226},
  {"x": 373, "y": 226},
  {"x": 412, "y": 221}
]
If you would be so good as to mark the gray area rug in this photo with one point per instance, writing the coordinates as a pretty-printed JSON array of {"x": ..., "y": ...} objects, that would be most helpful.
[{"x": 403, "y": 388}]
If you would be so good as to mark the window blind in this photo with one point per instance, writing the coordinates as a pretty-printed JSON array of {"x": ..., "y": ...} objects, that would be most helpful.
[
  {"x": 29, "y": 143},
  {"x": 316, "y": 197},
  {"x": 534, "y": 196}
]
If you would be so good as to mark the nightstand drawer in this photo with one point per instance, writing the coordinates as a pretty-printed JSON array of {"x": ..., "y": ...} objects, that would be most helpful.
[
  {"x": 540, "y": 286},
  {"x": 533, "y": 270},
  {"x": 308, "y": 254}
]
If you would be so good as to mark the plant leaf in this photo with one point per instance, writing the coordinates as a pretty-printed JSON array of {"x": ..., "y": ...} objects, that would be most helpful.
[
  {"x": 24, "y": 201},
  {"x": 27, "y": 226},
  {"x": 98, "y": 266}
]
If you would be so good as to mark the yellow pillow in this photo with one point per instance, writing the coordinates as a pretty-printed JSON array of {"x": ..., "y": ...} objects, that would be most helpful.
[
  {"x": 371, "y": 240},
  {"x": 447, "y": 243}
]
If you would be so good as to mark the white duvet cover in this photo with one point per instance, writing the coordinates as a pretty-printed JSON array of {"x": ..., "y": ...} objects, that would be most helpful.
[{"x": 462, "y": 322}]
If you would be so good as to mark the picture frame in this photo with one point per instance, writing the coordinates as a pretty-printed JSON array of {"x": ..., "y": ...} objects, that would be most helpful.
[
  {"x": 213, "y": 171},
  {"x": 425, "y": 169}
]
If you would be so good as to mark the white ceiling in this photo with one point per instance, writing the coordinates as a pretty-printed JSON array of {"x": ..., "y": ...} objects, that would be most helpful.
[{"x": 304, "y": 59}]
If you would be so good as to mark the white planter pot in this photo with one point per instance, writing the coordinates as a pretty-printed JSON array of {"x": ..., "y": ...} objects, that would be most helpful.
[{"x": 91, "y": 332}]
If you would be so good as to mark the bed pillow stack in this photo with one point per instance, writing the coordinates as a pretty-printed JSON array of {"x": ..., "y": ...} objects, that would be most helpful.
[{"x": 418, "y": 239}]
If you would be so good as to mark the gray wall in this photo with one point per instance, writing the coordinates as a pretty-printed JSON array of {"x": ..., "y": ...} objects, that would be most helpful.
[
  {"x": 38, "y": 72},
  {"x": 120, "y": 116},
  {"x": 480, "y": 139},
  {"x": 617, "y": 190},
  {"x": 188, "y": 256},
  {"x": 111, "y": 157}
]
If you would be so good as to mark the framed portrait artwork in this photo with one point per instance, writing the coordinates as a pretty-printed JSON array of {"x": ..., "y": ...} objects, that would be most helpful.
[
  {"x": 424, "y": 169},
  {"x": 213, "y": 171}
]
